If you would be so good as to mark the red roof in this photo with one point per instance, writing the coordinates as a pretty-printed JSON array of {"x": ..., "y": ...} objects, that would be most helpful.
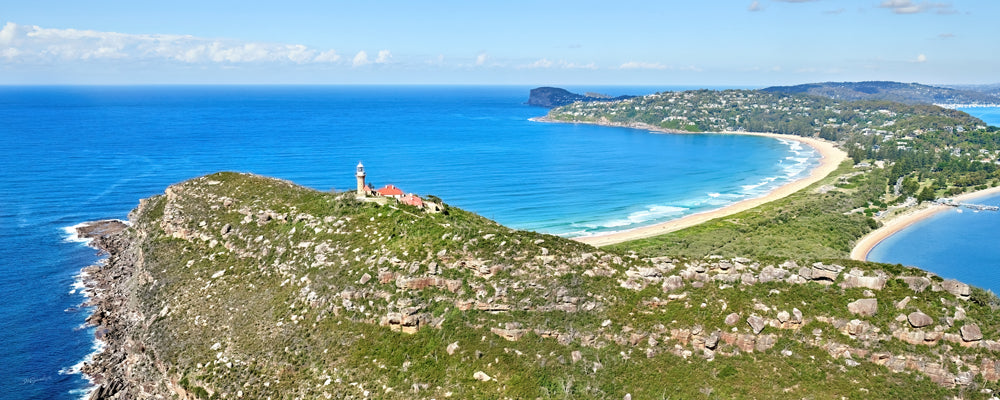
[
  {"x": 390, "y": 190},
  {"x": 413, "y": 200}
]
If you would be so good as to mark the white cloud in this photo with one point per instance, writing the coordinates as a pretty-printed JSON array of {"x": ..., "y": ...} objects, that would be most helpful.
[
  {"x": 562, "y": 64},
  {"x": 34, "y": 44},
  {"x": 921, "y": 58},
  {"x": 642, "y": 65},
  {"x": 329, "y": 56},
  {"x": 383, "y": 57},
  {"x": 481, "y": 59},
  {"x": 542, "y": 63},
  {"x": 755, "y": 6},
  {"x": 360, "y": 59},
  {"x": 909, "y": 7}
]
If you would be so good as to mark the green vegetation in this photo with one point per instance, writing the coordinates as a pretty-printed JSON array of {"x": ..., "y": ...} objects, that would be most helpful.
[{"x": 258, "y": 287}]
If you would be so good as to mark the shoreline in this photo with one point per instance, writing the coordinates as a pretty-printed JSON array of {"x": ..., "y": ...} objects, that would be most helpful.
[
  {"x": 830, "y": 159},
  {"x": 897, "y": 223}
]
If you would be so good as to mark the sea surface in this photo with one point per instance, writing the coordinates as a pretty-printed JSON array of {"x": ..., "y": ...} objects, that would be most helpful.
[
  {"x": 74, "y": 154},
  {"x": 959, "y": 244}
]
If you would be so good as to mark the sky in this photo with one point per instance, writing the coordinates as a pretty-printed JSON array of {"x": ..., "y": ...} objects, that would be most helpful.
[{"x": 740, "y": 43}]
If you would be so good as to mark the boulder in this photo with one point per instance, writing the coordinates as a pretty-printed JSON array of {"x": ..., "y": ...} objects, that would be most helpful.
[
  {"x": 451, "y": 348},
  {"x": 769, "y": 274},
  {"x": 869, "y": 282},
  {"x": 971, "y": 333},
  {"x": 863, "y": 307},
  {"x": 712, "y": 341},
  {"x": 672, "y": 283},
  {"x": 918, "y": 319},
  {"x": 732, "y": 319},
  {"x": 784, "y": 316},
  {"x": 902, "y": 303},
  {"x": 916, "y": 283},
  {"x": 481, "y": 376},
  {"x": 756, "y": 323},
  {"x": 956, "y": 288}
]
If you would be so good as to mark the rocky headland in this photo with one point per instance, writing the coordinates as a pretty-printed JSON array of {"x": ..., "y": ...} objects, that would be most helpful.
[
  {"x": 550, "y": 97},
  {"x": 240, "y": 286}
]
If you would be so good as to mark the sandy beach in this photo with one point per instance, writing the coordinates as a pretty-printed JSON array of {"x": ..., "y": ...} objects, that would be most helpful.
[
  {"x": 831, "y": 157},
  {"x": 910, "y": 217}
]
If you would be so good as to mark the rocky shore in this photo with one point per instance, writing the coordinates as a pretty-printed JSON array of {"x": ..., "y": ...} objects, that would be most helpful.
[{"x": 123, "y": 369}]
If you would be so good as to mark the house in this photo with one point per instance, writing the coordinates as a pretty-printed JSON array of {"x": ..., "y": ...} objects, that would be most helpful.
[{"x": 390, "y": 191}]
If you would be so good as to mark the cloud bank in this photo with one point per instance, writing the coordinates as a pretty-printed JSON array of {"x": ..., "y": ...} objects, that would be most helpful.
[{"x": 34, "y": 44}]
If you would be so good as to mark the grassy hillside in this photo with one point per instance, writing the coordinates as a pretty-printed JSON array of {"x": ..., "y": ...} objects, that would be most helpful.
[{"x": 257, "y": 288}]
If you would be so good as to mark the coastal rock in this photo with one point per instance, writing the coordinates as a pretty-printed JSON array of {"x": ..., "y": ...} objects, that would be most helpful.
[
  {"x": 481, "y": 376},
  {"x": 853, "y": 280},
  {"x": 956, "y": 288},
  {"x": 916, "y": 283},
  {"x": 863, "y": 307},
  {"x": 918, "y": 319},
  {"x": 902, "y": 303},
  {"x": 971, "y": 333},
  {"x": 672, "y": 283},
  {"x": 756, "y": 323},
  {"x": 770, "y": 274}
]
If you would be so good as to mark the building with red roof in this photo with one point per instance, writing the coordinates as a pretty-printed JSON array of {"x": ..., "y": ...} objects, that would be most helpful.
[{"x": 390, "y": 191}]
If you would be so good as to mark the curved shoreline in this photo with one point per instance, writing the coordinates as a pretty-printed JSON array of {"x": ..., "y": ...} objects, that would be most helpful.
[
  {"x": 899, "y": 222},
  {"x": 830, "y": 159}
]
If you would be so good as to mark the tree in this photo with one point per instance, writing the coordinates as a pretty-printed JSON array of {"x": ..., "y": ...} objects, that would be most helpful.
[{"x": 926, "y": 195}]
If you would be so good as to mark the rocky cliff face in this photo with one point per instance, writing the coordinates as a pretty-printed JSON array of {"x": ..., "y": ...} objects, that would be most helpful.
[{"x": 238, "y": 286}]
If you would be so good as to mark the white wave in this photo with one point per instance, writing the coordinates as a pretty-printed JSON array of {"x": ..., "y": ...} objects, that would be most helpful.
[
  {"x": 714, "y": 195},
  {"x": 73, "y": 236},
  {"x": 651, "y": 213}
]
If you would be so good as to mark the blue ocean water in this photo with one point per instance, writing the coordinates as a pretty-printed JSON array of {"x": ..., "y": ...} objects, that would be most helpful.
[
  {"x": 960, "y": 245},
  {"x": 73, "y": 154}
]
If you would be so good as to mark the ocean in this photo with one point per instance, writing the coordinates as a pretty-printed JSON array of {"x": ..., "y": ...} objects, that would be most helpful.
[
  {"x": 74, "y": 154},
  {"x": 952, "y": 244}
]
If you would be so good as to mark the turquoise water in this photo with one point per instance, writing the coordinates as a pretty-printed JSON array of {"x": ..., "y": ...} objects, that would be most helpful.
[
  {"x": 961, "y": 245},
  {"x": 73, "y": 154}
]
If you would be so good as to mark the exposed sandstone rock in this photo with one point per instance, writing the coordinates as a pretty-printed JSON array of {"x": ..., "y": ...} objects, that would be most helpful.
[
  {"x": 863, "y": 307},
  {"x": 971, "y": 333},
  {"x": 902, "y": 303},
  {"x": 956, "y": 288},
  {"x": 672, "y": 283},
  {"x": 481, "y": 376},
  {"x": 916, "y": 283},
  {"x": 756, "y": 323},
  {"x": 918, "y": 319}
]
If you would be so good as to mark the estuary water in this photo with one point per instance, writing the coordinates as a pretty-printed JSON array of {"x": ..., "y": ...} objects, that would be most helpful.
[
  {"x": 74, "y": 154},
  {"x": 961, "y": 245}
]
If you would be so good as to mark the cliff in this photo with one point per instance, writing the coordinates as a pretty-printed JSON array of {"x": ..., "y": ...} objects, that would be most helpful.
[
  {"x": 550, "y": 97},
  {"x": 240, "y": 286}
]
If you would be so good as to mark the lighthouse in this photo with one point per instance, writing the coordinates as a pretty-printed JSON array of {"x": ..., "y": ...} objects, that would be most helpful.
[{"x": 361, "y": 179}]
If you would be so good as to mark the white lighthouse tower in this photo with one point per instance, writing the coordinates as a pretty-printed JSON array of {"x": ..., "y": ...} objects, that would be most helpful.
[{"x": 361, "y": 179}]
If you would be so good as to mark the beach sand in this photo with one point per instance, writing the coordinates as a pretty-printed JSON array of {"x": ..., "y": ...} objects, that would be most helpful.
[
  {"x": 831, "y": 159},
  {"x": 910, "y": 217}
]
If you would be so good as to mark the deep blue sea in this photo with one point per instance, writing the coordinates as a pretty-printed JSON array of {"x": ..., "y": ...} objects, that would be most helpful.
[
  {"x": 73, "y": 154},
  {"x": 961, "y": 245}
]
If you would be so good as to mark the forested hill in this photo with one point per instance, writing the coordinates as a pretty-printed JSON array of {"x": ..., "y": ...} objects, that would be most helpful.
[{"x": 910, "y": 93}]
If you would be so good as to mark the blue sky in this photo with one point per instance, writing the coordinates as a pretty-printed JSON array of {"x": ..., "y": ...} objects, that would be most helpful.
[{"x": 622, "y": 42}]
